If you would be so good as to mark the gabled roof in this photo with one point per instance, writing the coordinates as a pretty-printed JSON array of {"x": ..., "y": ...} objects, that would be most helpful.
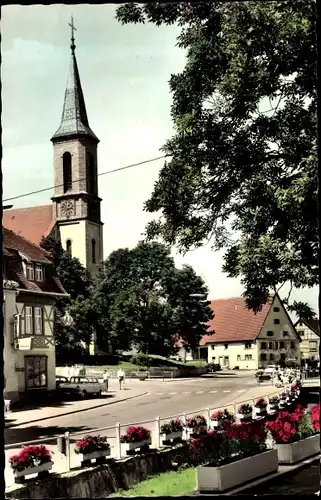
[
  {"x": 32, "y": 223},
  {"x": 16, "y": 248},
  {"x": 313, "y": 324},
  {"x": 234, "y": 322}
]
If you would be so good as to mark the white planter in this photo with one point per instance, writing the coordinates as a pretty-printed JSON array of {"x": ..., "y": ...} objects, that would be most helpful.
[
  {"x": 195, "y": 430},
  {"x": 216, "y": 423},
  {"x": 231, "y": 475},
  {"x": 33, "y": 470},
  {"x": 244, "y": 416},
  {"x": 260, "y": 411},
  {"x": 94, "y": 454},
  {"x": 125, "y": 447},
  {"x": 290, "y": 453},
  {"x": 172, "y": 436}
]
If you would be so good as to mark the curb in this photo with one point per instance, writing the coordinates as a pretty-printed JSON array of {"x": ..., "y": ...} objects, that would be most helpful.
[{"x": 9, "y": 426}]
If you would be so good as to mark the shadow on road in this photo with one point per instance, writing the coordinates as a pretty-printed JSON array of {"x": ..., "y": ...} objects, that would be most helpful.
[{"x": 15, "y": 435}]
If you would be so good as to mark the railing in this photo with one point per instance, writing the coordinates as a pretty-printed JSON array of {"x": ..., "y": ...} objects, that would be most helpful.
[
  {"x": 130, "y": 375},
  {"x": 114, "y": 433}
]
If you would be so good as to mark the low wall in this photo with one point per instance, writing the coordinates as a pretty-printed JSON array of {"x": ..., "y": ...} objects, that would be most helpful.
[{"x": 102, "y": 480}]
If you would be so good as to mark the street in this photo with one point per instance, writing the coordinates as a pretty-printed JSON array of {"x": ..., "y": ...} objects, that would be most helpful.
[{"x": 164, "y": 399}]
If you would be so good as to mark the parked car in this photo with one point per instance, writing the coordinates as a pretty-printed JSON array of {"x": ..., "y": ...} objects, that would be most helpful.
[{"x": 80, "y": 386}]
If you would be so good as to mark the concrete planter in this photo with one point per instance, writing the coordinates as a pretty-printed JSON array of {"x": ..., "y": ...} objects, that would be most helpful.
[
  {"x": 171, "y": 437},
  {"x": 127, "y": 447},
  {"x": 86, "y": 458},
  {"x": 43, "y": 468},
  {"x": 260, "y": 412},
  {"x": 195, "y": 431},
  {"x": 231, "y": 475},
  {"x": 290, "y": 453},
  {"x": 216, "y": 424},
  {"x": 244, "y": 417}
]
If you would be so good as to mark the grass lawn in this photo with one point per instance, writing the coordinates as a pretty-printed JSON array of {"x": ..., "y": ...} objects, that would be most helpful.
[
  {"x": 166, "y": 484},
  {"x": 163, "y": 363}
]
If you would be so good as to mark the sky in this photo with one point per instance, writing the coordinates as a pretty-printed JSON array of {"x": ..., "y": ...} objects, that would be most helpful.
[{"x": 124, "y": 72}]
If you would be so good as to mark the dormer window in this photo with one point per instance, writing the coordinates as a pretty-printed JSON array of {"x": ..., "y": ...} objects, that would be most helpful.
[
  {"x": 39, "y": 272},
  {"x": 30, "y": 271}
]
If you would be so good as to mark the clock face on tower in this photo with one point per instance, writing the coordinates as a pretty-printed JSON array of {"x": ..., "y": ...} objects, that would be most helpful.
[{"x": 67, "y": 208}]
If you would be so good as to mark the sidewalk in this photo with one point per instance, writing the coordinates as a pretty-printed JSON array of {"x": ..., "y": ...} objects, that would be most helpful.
[{"x": 57, "y": 409}]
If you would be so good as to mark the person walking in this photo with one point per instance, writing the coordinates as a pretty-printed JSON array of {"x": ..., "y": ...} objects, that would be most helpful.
[
  {"x": 121, "y": 377},
  {"x": 106, "y": 379}
]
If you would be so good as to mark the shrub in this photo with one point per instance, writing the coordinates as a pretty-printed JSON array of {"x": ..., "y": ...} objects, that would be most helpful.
[
  {"x": 90, "y": 444},
  {"x": 172, "y": 426},
  {"x": 135, "y": 434},
  {"x": 315, "y": 417},
  {"x": 30, "y": 456},
  {"x": 141, "y": 360}
]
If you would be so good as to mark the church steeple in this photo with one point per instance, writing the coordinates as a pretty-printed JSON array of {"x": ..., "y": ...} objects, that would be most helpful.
[
  {"x": 76, "y": 200},
  {"x": 74, "y": 121}
]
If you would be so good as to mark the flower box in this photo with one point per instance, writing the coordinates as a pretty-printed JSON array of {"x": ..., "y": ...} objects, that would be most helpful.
[
  {"x": 290, "y": 453},
  {"x": 236, "y": 473},
  {"x": 126, "y": 447},
  {"x": 260, "y": 412},
  {"x": 87, "y": 457},
  {"x": 216, "y": 423},
  {"x": 172, "y": 436},
  {"x": 195, "y": 431},
  {"x": 39, "y": 469},
  {"x": 244, "y": 416}
]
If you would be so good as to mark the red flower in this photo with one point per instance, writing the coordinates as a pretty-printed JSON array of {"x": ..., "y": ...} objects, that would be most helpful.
[
  {"x": 30, "y": 456},
  {"x": 315, "y": 417},
  {"x": 134, "y": 434}
]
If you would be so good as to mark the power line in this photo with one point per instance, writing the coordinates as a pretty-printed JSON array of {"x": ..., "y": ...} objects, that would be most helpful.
[{"x": 84, "y": 178}]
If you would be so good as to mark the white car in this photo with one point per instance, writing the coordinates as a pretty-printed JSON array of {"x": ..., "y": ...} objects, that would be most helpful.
[{"x": 83, "y": 386}]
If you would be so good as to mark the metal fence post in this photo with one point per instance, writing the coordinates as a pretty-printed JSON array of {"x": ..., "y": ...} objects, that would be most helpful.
[
  {"x": 184, "y": 425},
  {"x": 208, "y": 411},
  {"x": 157, "y": 431},
  {"x": 118, "y": 447},
  {"x": 67, "y": 438}
]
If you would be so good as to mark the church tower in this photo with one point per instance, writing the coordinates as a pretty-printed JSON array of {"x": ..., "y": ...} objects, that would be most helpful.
[{"x": 76, "y": 200}]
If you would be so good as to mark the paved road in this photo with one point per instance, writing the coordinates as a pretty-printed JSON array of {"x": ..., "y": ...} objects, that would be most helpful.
[{"x": 163, "y": 400}]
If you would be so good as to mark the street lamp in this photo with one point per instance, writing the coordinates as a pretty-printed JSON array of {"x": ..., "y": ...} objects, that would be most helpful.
[{"x": 67, "y": 319}]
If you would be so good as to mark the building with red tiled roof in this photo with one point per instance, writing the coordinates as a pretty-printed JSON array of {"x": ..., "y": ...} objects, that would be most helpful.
[
  {"x": 31, "y": 287},
  {"x": 309, "y": 331},
  {"x": 33, "y": 223},
  {"x": 74, "y": 216},
  {"x": 247, "y": 340}
]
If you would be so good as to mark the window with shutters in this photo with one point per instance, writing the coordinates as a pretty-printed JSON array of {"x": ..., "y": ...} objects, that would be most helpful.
[
  {"x": 28, "y": 320},
  {"x": 38, "y": 320}
]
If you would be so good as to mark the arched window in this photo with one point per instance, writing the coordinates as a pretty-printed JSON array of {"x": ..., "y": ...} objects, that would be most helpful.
[
  {"x": 91, "y": 175},
  {"x": 68, "y": 247},
  {"x": 67, "y": 173},
  {"x": 93, "y": 251}
]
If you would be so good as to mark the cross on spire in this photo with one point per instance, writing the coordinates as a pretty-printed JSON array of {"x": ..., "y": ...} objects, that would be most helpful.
[{"x": 73, "y": 29}]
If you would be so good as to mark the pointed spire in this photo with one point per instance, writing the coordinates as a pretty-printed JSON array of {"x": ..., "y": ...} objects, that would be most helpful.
[{"x": 74, "y": 119}]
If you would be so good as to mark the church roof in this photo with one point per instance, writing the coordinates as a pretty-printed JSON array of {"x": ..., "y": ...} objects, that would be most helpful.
[
  {"x": 74, "y": 119},
  {"x": 31, "y": 223}
]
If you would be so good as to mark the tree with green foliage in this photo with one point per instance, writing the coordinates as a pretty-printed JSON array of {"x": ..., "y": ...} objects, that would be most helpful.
[
  {"x": 78, "y": 284},
  {"x": 242, "y": 169},
  {"x": 144, "y": 301}
]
